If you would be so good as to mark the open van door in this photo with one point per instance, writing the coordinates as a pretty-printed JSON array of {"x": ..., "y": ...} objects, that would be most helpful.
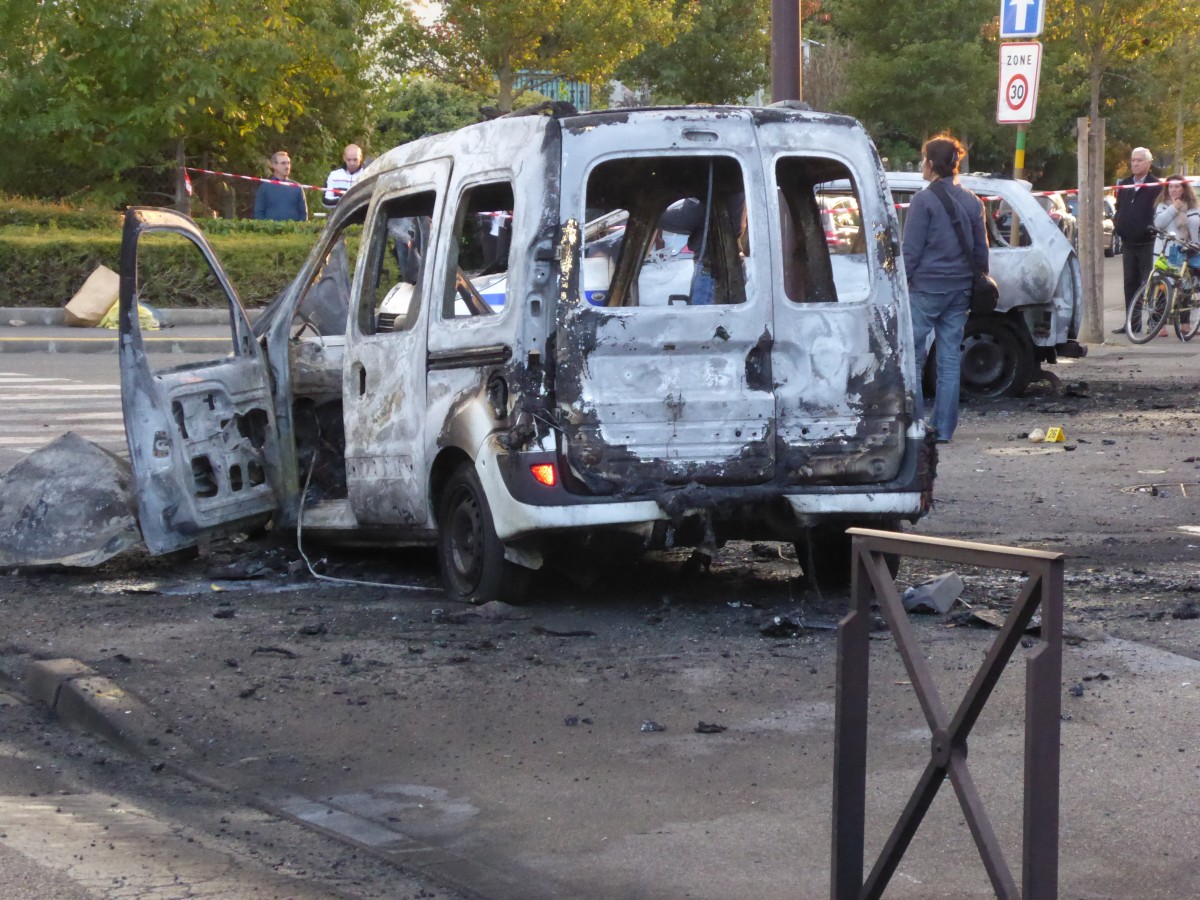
[{"x": 202, "y": 436}]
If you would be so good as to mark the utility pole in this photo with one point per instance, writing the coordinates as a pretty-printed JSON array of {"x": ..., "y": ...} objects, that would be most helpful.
[
  {"x": 1090, "y": 161},
  {"x": 787, "y": 66}
]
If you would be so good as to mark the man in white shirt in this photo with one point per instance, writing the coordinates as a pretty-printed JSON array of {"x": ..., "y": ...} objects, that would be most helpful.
[{"x": 339, "y": 180}]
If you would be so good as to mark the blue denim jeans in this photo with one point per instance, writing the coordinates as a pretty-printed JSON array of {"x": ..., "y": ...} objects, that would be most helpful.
[{"x": 945, "y": 315}]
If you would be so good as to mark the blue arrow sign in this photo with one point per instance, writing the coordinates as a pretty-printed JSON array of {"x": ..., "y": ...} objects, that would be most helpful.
[{"x": 1022, "y": 18}]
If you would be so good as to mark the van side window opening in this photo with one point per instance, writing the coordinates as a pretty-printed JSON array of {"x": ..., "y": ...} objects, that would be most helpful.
[
  {"x": 665, "y": 232},
  {"x": 396, "y": 264},
  {"x": 821, "y": 228},
  {"x": 326, "y": 299},
  {"x": 477, "y": 271}
]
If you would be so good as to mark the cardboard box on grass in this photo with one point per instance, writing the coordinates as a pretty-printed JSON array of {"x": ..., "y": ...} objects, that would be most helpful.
[{"x": 94, "y": 299}]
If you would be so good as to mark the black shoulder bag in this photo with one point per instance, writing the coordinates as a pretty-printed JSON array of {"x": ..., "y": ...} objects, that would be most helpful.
[{"x": 985, "y": 293}]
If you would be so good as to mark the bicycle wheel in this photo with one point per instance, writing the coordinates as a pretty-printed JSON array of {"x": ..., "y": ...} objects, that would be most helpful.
[
  {"x": 1187, "y": 313},
  {"x": 1149, "y": 310}
]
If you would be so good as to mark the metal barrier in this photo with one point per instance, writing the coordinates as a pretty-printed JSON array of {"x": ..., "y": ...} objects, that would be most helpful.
[{"x": 948, "y": 745}]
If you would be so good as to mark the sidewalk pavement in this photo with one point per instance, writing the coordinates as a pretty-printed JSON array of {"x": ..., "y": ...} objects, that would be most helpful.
[{"x": 42, "y": 330}]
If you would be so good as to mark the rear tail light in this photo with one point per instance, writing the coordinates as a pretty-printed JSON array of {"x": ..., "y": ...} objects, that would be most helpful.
[{"x": 544, "y": 473}]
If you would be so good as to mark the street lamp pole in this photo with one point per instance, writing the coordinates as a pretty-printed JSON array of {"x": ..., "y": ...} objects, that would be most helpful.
[{"x": 786, "y": 64}]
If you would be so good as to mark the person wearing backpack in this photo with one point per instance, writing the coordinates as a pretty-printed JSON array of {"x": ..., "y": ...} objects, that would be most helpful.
[{"x": 945, "y": 246}]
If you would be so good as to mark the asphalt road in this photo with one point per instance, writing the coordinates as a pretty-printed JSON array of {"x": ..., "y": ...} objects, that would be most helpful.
[
  {"x": 508, "y": 754},
  {"x": 46, "y": 395}
]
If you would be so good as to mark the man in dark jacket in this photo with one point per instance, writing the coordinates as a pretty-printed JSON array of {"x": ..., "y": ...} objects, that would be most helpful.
[
  {"x": 1135, "y": 215},
  {"x": 280, "y": 198}
]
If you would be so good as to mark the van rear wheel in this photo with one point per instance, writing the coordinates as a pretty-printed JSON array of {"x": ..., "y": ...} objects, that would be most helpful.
[
  {"x": 470, "y": 555},
  {"x": 832, "y": 553}
]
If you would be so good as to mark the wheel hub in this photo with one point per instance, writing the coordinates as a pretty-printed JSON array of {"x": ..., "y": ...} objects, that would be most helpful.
[{"x": 983, "y": 360}]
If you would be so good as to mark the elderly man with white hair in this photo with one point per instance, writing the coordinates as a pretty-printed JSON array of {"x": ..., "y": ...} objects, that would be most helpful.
[{"x": 1135, "y": 214}]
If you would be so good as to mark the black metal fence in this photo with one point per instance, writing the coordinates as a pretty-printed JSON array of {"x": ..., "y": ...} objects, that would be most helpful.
[{"x": 871, "y": 580}]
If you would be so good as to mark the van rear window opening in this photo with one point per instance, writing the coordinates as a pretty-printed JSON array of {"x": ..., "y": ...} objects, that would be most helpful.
[
  {"x": 677, "y": 232},
  {"x": 666, "y": 231}
]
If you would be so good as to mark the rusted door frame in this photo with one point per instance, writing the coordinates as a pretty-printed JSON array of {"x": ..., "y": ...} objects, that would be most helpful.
[{"x": 870, "y": 580}]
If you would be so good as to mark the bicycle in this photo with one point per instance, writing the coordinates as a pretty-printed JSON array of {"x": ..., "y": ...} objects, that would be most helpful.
[{"x": 1171, "y": 293}]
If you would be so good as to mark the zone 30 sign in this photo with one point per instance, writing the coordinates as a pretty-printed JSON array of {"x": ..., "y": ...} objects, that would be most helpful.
[{"x": 1020, "y": 66}]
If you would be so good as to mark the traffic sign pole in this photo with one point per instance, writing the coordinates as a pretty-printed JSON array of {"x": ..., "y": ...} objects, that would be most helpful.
[
  {"x": 1019, "y": 156},
  {"x": 1014, "y": 235}
]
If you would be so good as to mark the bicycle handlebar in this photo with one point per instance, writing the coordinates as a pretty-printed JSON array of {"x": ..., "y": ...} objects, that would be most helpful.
[{"x": 1170, "y": 238}]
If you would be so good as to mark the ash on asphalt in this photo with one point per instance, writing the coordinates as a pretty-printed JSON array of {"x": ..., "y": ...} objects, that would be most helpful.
[{"x": 307, "y": 684}]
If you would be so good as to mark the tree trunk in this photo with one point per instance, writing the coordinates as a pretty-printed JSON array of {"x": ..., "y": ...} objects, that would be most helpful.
[
  {"x": 182, "y": 202},
  {"x": 506, "y": 77},
  {"x": 1180, "y": 165}
]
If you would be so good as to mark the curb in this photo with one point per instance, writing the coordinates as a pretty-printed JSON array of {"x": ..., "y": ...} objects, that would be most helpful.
[
  {"x": 53, "y": 315},
  {"x": 111, "y": 344},
  {"x": 84, "y": 699}
]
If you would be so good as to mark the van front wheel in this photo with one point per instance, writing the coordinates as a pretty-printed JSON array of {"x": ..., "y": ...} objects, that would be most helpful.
[{"x": 470, "y": 555}]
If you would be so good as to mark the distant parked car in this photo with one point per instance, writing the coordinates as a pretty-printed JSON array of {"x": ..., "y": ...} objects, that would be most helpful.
[
  {"x": 841, "y": 221},
  {"x": 1111, "y": 241},
  {"x": 1056, "y": 207}
]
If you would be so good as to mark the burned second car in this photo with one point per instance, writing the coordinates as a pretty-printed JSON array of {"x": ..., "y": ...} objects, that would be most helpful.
[
  {"x": 1038, "y": 317},
  {"x": 548, "y": 335}
]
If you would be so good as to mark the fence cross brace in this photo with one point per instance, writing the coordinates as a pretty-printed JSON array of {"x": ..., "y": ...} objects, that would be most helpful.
[{"x": 870, "y": 579}]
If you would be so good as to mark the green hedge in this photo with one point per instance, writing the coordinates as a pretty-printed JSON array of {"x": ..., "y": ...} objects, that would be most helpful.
[
  {"x": 22, "y": 213},
  {"x": 255, "y": 226},
  {"x": 46, "y": 266}
]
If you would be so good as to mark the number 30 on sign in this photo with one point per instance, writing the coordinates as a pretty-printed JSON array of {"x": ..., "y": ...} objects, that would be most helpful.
[{"x": 1020, "y": 66}]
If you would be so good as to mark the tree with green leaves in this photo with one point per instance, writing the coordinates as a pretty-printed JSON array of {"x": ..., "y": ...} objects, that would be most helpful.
[
  {"x": 1101, "y": 34},
  {"x": 919, "y": 68},
  {"x": 475, "y": 41},
  {"x": 93, "y": 90},
  {"x": 722, "y": 55},
  {"x": 418, "y": 106}
]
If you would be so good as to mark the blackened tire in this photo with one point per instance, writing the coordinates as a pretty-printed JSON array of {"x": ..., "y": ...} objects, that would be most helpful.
[
  {"x": 832, "y": 554},
  {"x": 470, "y": 555},
  {"x": 997, "y": 360}
]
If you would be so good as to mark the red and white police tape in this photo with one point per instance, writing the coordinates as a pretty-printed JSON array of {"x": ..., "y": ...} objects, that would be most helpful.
[
  {"x": 313, "y": 187},
  {"x": 308, "y": 187}
]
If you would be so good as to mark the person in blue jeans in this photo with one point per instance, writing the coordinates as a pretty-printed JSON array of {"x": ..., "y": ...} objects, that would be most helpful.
[{"x": 940, "y": 274}]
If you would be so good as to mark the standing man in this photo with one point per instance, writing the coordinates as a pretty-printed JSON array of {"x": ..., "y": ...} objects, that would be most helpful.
[
  {"x": 339, "y": 180},
  {"x": 1135, "y": 215},
  {"x": 280, "y": 199}
]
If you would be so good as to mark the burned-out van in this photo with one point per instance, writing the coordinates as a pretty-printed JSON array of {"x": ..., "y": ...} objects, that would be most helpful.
[{"x": 548, "y": 336}]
